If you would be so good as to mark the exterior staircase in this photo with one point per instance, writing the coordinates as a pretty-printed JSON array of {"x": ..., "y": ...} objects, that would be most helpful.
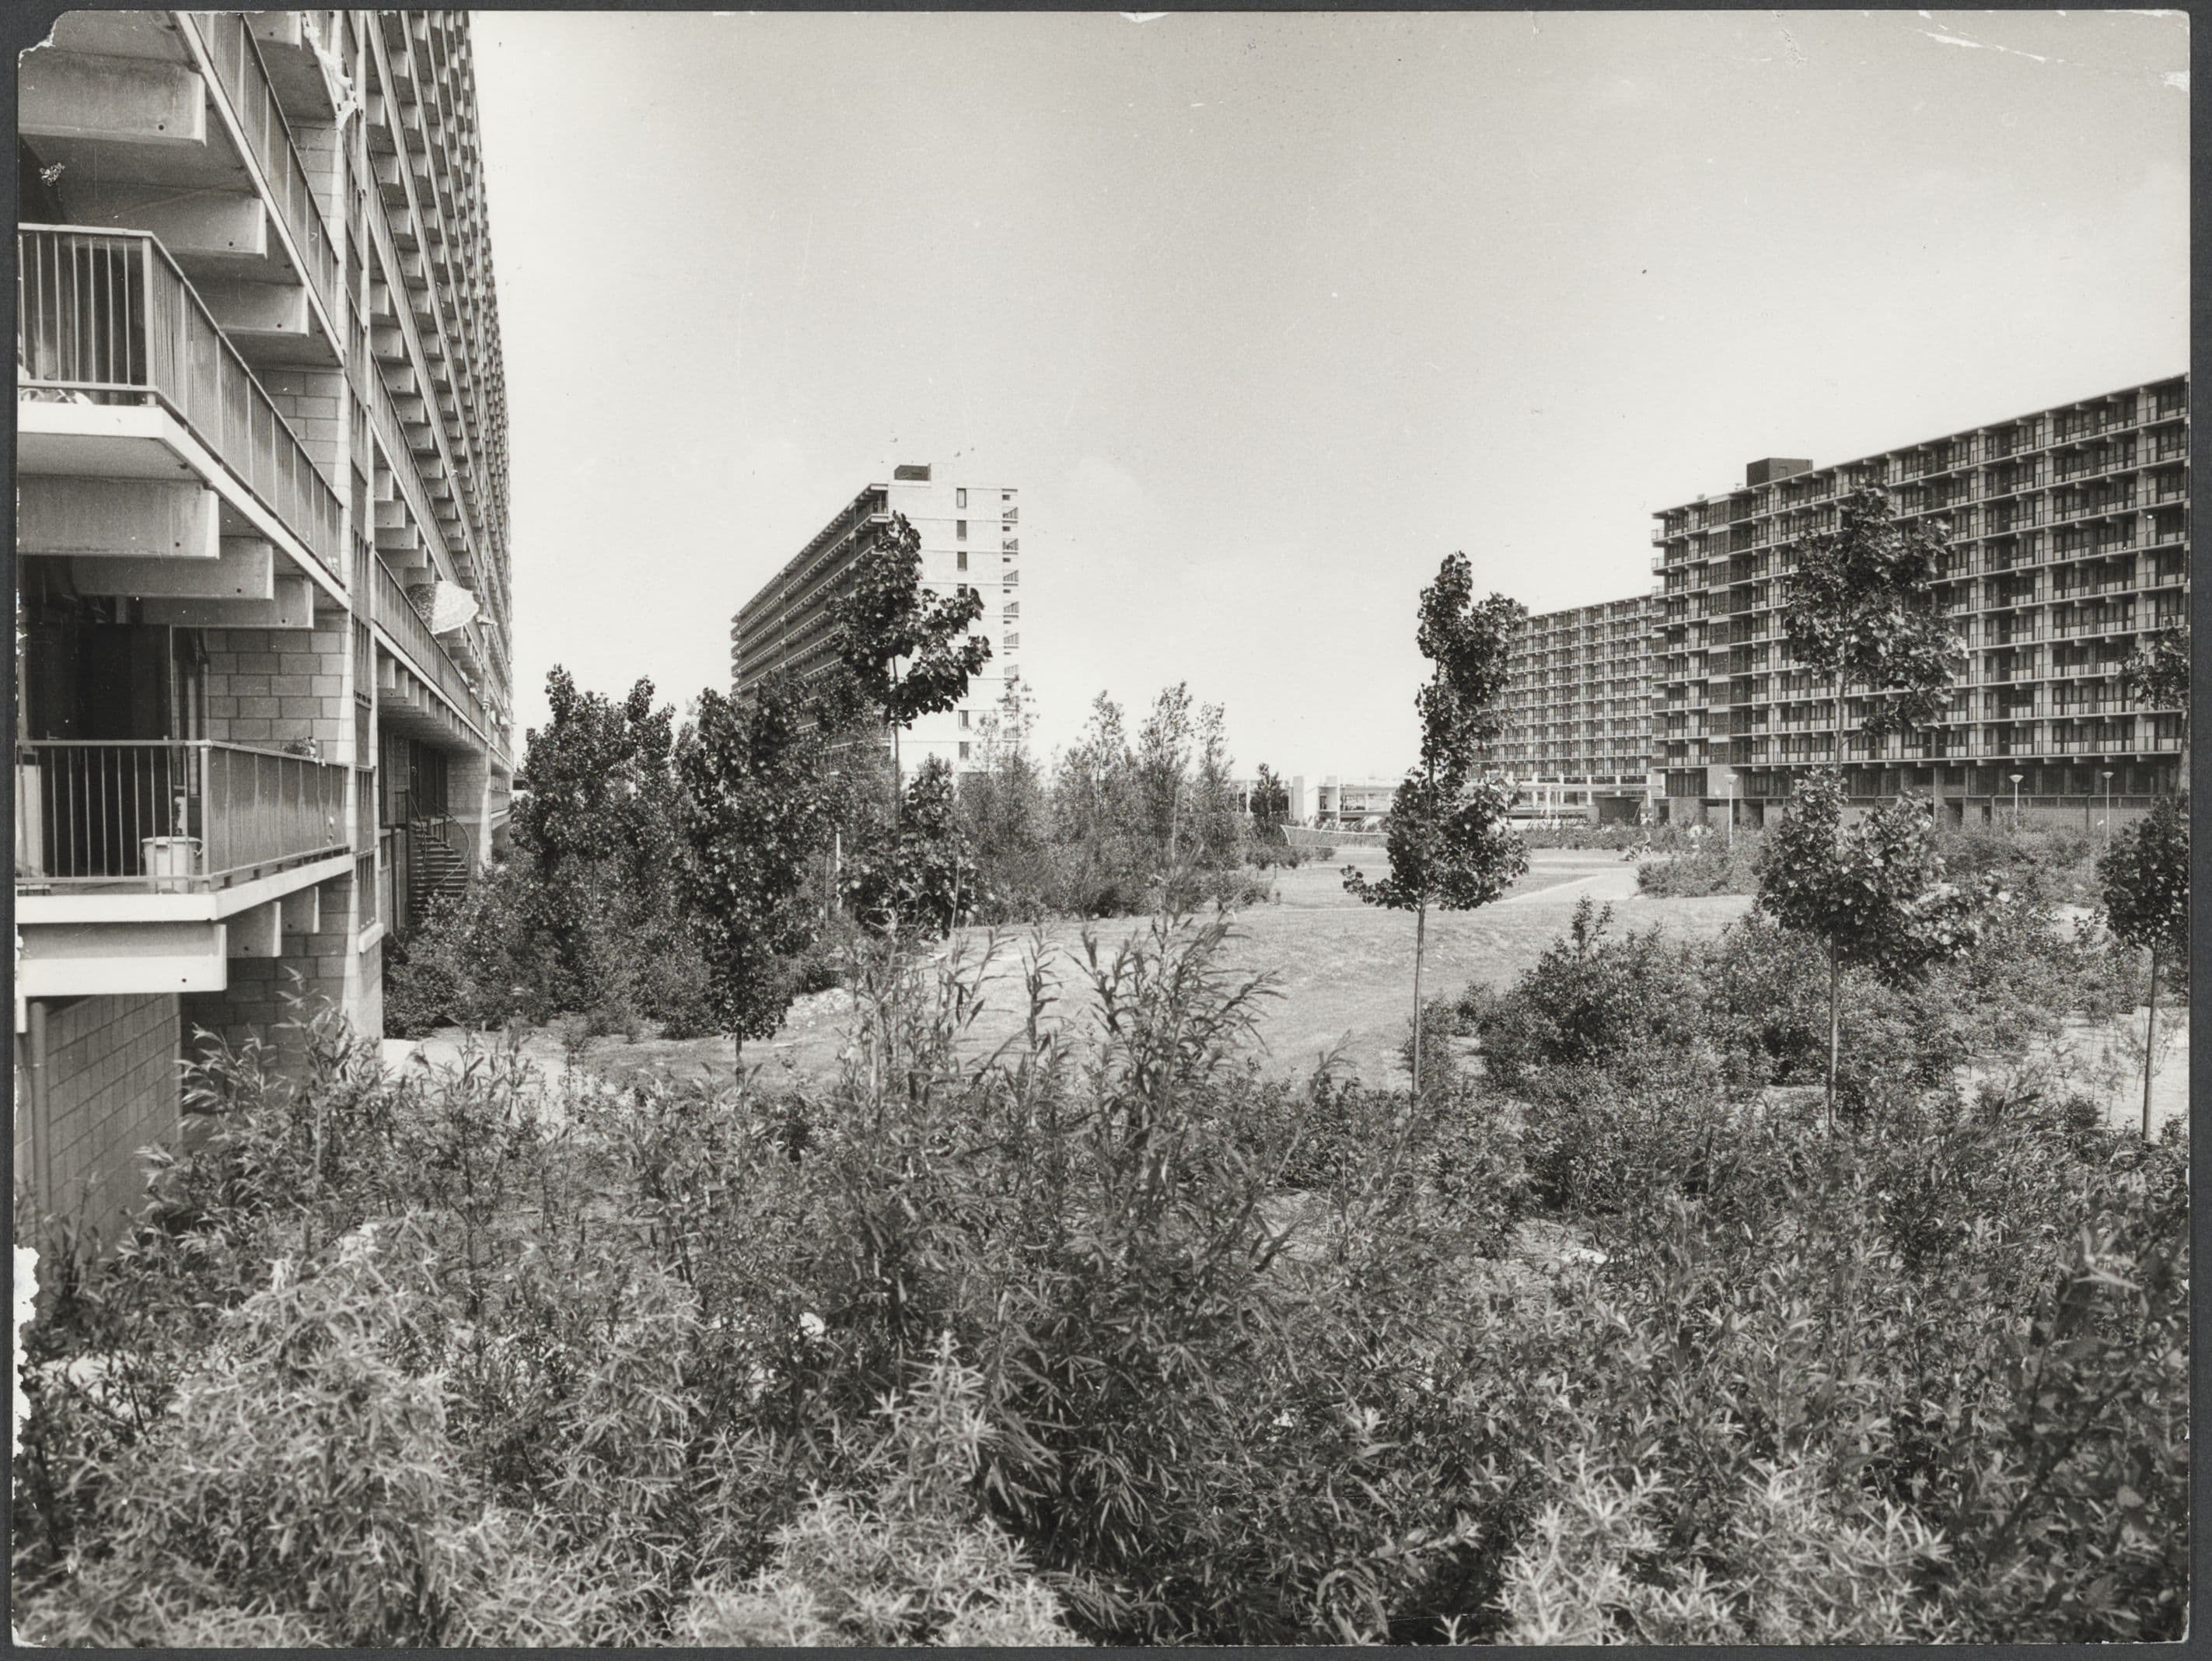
[{"x": 438, "y": 863}]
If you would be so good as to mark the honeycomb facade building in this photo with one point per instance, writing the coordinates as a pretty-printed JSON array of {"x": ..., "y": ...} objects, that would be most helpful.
[
  {"x": 2069, "y": 530},
  {"x": 264, "y": 702}
]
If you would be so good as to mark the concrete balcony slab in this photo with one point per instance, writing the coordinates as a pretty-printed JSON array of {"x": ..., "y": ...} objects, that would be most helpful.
[
  {"x": 137, "y": 520},
  {"x": 142, "y": 441},
  {"x": 139, "y": 102},
  {"x": 82, "y": 960},
  {"x": 245, "y": 571},
  {"x": 291, "y": 606}
]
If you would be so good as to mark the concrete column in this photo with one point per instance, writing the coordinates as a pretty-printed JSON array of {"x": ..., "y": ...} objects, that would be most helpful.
[{"x": 469, "y": 797}]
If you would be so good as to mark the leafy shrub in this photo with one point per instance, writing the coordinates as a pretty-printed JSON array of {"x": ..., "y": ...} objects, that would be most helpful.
[
  {"x": 1586, "y": 1000},
  {"x": 485, "y": 958},
  {"x": 2045, "y": 865},
  {"x": 1714, "y": 863},
  {"x": 911, "y": 1562},
  {"x": 1175, "y": 1352},
  {"x": 1796, "y": 1564},
  {"x": 300, "y": 1490}
]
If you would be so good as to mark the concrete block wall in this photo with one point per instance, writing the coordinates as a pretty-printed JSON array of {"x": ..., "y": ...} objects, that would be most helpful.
[
  {"x": 110, "y": 1089},
  {"x": 314, "y": 402},
  {"x": 276, "y": 686},
  {"x": 323, "y": 965},
  {"x": 318, "y": 145}
]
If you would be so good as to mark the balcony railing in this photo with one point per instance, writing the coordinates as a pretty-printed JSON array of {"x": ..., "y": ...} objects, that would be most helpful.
[
  {"x": 169, "y": 815},
  {"x": 396, "y": 616},
  {"x": 245, "y": 82},
  {"x": 105, "y": 317}
]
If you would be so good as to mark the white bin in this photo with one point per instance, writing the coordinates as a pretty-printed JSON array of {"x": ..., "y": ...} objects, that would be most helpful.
[{"x": 171, "y": 858}]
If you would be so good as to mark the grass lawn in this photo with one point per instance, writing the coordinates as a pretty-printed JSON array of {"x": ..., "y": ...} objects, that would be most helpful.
[
  {"x": 1343, "y": 971},
  {"x": 1343, "y": 979}
]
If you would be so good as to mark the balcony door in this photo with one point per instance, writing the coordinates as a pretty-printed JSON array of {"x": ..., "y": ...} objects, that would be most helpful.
[
  {"x": 96, "y": 779},
  {"x": 125, "y": 683}
]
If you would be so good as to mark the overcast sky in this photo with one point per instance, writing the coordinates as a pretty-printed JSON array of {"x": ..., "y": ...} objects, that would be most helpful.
[{"x": 1266, "y": 314}]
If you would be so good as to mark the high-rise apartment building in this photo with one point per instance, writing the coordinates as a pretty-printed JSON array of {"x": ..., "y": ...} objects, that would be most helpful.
[
  {"x": 2069, "y": 533},
  {"x": 263, "y": 683},
  {"x": 1577, "y": 735},
  {"x": 970, "y": 538}
]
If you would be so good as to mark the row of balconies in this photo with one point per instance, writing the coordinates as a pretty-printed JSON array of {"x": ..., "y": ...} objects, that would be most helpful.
[
  {"x": 1943, "y": 457},
  {"x": 2015, "y": 506}
]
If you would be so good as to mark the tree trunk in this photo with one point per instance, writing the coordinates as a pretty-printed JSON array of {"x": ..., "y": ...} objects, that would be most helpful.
[
  {"x": 1420, "y": 941},
  {"x": 1835, "y": 1027},
  {"x": 2150, "y": 1042},
  {"x": 892, "y": 714}
]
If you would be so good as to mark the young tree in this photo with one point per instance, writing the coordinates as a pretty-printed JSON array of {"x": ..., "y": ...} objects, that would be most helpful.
[
  {"x": 1450, "y": 843},
  {"x": 924, "y": 876},
  {"x": 906, "y": 652},
  {"x": 2156, "y": 677},
  {"x": 754, "y": 816},
  {"x": 596, "y": 833},
  {"x": 1863, "y": 606},
  {"x": 1164, "y": 747},
  {"x": 1270, "y": 807},
  {"x": 1096, "y": 805},
  {"x": 2156, "y": 674},
  {"x": 1874, "y": 894},
  {"x": 1004, "y": 813},
  {"x": 1217, "y": 829},
  {"x": 2145, "y": 878}
]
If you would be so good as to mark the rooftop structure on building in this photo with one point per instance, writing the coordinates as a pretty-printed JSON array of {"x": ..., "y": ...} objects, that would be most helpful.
[
  {"x": 2068, "y": 531},
  {"x": 970, "y": 539},
  {"x": 264, "y": 693}
]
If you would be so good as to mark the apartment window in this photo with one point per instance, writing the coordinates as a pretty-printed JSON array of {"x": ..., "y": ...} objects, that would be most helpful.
[
  {"x": 963, "y": 557},
  {"x": 963, "y": 719},
  {"x": 960, "y": 529},
  {"x": 960, "y": 498},
  {"x": 964, "y": 750}
]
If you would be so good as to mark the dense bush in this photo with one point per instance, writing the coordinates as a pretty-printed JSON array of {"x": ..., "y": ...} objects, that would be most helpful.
[
  {"x": 1684, "y": 867},
  {"x": 2049, "y": 865},
  {"x": 479, "y": 960},
  {"x": 1612, "y": 838},
  {"x": 1587, "y": 999},
  {"x": 1750, "y": 1007},
  {"x": 1171, "y": 1352}
]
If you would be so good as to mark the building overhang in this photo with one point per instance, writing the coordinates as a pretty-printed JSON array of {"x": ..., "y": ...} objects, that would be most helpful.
[
  {"x": 131, "y": 909},
  {"x": 145, "y": 442},
  {"x": 91, "y": 960}
]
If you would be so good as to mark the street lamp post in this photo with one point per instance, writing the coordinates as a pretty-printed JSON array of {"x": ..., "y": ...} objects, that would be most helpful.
[
  {"x": 2016, "y": 801},
  {"x": 2108, "y": 807}
]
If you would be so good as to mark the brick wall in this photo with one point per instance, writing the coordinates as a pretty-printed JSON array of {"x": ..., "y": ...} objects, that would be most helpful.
[
  {"x": 111, "y": 1089},
  {"x": 275, "y": 686}
]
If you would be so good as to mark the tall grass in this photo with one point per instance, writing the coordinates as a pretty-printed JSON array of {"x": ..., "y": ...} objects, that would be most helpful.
[{"x": 1101, "y": 1333}]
